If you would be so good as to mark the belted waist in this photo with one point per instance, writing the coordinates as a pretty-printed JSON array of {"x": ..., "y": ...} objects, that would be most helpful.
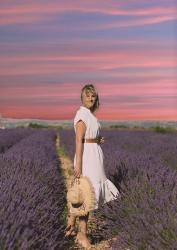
[{"x": 91, "y": 140}]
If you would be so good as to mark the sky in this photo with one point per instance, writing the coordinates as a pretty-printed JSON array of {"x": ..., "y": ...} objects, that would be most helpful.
[{"x": 50, "y": 49}]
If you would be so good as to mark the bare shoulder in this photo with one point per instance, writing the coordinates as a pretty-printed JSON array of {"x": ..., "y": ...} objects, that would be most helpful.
[{"x": 81, "y": 125}]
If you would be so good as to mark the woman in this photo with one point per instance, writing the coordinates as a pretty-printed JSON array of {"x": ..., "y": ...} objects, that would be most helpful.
[{"x": 88, "y": 160}]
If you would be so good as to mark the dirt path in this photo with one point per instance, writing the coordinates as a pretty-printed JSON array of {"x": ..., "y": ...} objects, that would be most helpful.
[{"x": 66, "y": 165}]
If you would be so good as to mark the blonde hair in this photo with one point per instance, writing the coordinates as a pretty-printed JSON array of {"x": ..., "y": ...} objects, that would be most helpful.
[{"x": 90, "y": 88}]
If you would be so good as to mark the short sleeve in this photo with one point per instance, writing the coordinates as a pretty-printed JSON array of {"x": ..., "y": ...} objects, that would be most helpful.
[{"x": 80, "y": 115}]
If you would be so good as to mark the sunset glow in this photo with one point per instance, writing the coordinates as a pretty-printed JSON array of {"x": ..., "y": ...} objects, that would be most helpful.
[{"x": 50, "y": 49}]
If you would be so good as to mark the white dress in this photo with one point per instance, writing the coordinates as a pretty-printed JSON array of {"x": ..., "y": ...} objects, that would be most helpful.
[{"x": 93, "y": 159}]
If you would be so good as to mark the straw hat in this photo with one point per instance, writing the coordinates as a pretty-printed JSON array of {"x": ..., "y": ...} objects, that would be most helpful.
[{"x": 81, "y": 196}]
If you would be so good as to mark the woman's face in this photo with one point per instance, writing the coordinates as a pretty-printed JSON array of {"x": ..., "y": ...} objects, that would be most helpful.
[{"x": 88, "y": 99}]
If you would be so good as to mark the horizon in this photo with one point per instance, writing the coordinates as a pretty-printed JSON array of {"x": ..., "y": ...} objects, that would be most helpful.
[{"x": 104, "y": 120}]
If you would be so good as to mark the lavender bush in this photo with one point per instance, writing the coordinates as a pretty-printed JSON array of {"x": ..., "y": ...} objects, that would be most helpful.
[
  {"x": 163, "y": 146},
  {"x": 67, "y": 138},
  {"x": 142, "y": 164},
  {"x": 38, "y": 148},
  {"x": 144, "y": 218},
  {"x": 9, "y": 137},
  {"x": 32, "y": 195}
]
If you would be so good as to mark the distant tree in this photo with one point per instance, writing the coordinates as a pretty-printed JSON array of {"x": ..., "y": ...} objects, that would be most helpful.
[{"x": 160, "y": 129}]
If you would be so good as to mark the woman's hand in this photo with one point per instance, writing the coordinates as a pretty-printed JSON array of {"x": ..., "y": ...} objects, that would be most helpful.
[
  {"x": 77, "y": 172},
  {"x": 101, "y": 140}
]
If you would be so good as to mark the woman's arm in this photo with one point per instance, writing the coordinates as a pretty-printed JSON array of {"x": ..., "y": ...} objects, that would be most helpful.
[{"x": 80, "y": 133}]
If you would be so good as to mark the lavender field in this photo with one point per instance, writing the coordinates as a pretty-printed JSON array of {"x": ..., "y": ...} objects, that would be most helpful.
[
  {"x": 143, "y": 165},
  {"x": 32, "y": 191},
  {"x": 8, "y": 137}
]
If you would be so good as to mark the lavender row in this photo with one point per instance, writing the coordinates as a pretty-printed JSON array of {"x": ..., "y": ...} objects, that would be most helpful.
[
  {"x": 144, "y": 218},
  {"x": 36, "y": 148},
  {"x": 163, "y": 146},
  {"x": 142, "y": 164},
  {"x": 32, "y": 195},
  {"x": 8, "y": 137},
  {"x": 67, "y": 138}
]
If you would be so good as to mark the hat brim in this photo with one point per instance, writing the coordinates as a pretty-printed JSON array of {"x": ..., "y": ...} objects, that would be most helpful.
[{"x": 89, "y": 198}]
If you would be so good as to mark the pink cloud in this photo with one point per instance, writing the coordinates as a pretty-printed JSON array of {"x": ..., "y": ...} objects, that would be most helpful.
[
  {"x": 105, "y": 7},
  {"x": 60, "y": 91},
  {"x": 163, "y": 87},
  {"x": 46, "y": 62},
  {"x": 43, "y": 112},
  {"x": 105, "y": 113},
  {"x": 139, "y": 22},
  {"x": 150, "y": 88},
  {"x": 145, "y": 108},
  {"x": 79, "y": 60},
  {"x": 34, "y": 12},
  {"x": 128, "y": 113}
]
